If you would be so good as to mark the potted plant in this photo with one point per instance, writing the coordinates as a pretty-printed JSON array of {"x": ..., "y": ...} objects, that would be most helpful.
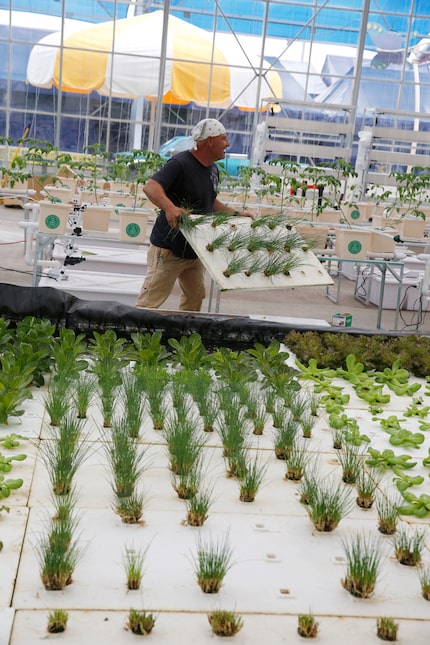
[
  {"x": 133, "y": 218},
  {"x": 410, "y": 195}
]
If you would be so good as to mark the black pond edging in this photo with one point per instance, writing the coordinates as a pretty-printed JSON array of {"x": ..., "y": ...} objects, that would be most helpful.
[{"x": 84, "y": 316}]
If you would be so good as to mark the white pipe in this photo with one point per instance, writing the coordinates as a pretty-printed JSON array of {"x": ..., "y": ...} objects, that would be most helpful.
[{"x": 29, "y": 227}]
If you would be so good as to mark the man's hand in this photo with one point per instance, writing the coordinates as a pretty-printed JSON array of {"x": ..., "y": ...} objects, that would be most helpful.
[{"x": 173, "y": 215}]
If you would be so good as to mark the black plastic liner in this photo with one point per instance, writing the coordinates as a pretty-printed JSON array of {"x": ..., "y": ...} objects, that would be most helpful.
[{"x": 85, "y": 316}]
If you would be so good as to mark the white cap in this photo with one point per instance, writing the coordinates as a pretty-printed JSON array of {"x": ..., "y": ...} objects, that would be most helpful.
[{"x": 206, "y": 128}]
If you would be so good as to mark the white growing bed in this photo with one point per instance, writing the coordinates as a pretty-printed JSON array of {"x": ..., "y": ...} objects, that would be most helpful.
[{"x": 274, "y": 544}]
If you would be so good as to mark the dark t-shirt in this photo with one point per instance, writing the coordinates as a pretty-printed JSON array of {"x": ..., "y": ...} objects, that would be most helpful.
[{"x": 189, "y": 185}]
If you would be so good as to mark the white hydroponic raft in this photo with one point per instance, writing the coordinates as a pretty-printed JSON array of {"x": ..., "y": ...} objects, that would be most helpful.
[{"x": 282, "y": 565}]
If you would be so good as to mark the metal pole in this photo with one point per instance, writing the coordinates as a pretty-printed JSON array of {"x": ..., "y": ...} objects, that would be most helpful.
[{"x": 160, "y": 92}]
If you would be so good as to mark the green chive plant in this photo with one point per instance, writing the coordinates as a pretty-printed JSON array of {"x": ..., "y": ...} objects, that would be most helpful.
[
  {"x": 84, "y": 393},
  {"x": 408, "y": 545},
  {"x": 251, "y": 479},
  {"x": 57, "y": 621},
  {"x": 109, "y": 357},
  {"x": 130, "y": 509},
  {"x": 140, "y": 622},
  {"x": 232, "y": 431},
  {"x": 225, "y": 623},
  {"x": 424, "y": 577},
  {"x": 58, "y": 558},
  {"x": 363, "y": 556},
  {"x": 64, "y": 453},
  {"x": 387, "y": 628},
  {"x": 284, "y": 437},
  {"x": 202, "y": 388},
  {"x": 307, "y": 625},
  {"x": 133, "y": 560},
  {"x": 154, "y": 380},
  {"x": 198, "y": 506},
  {"x": 187, "y": 483},
  {"x": 307, "y": 423},
  {"x": 184, "y": 445},
  {"x": 296, "y": 460},
  {"x": 328, "y": 503},
  {"x": 388, "y": 514},
  {"x": 351, "y": 460},
  {"x": 280, "y": 413},
  {"x": 125, "y": 458},
  {"x": 58, "y": 400},
  {"x": 366, "y": 485},
  {"x": 212, "y": 562},
  {"x": 134, "y": 403},
  {"x": 309, "y": 482}
]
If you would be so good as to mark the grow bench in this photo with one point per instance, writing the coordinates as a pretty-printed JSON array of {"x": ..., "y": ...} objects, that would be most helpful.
[
  {"x": 394, "y": 268},
  {"x": 102, "y": 253}
]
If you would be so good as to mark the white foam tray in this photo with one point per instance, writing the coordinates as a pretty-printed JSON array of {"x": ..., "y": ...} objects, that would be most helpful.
[{"x": 275, "y": 547}]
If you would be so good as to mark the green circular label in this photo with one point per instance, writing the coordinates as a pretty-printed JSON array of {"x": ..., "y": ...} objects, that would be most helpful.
[
  {"x": 355, "y": 214},
  {"x": 354, "y": 247},
  {"x": 52, "y": 221},
  {"x": 132, "y": 229}
]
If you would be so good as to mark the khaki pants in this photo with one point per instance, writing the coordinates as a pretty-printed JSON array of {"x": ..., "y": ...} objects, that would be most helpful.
[{"x": 163, "y": 269}]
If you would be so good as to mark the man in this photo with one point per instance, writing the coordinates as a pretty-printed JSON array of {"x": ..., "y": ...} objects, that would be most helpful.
[{"x": 187, "y": 183}]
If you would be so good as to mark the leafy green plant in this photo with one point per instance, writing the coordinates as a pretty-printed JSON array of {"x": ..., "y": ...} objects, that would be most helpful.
[
  {"x": 11, "y": 440},
  {"x": 15, "y": 377},
  {"x": 419, "y": 506},
  {"x": 33, "y": 340},
  {"x": 212, "y": 563},
  {"x": 386, "y": 628},
  {"x": 67, "y": 351},
  {"x": 363, "y": 558},
  {"x": 189, "y": 352},
  {"x": 57, "y": 621},
  {"x": 387, "y": 459},
  {"x": 6, "y": 462},
  {"x": 140, "y": 622},
  {"x": 225, "y": 623},
  {"x": 408, "y": 545},
  {"x": 8, "y": 485},
  {"x": 148, "y": 349},
  {"x": 307, "y": 625}
]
